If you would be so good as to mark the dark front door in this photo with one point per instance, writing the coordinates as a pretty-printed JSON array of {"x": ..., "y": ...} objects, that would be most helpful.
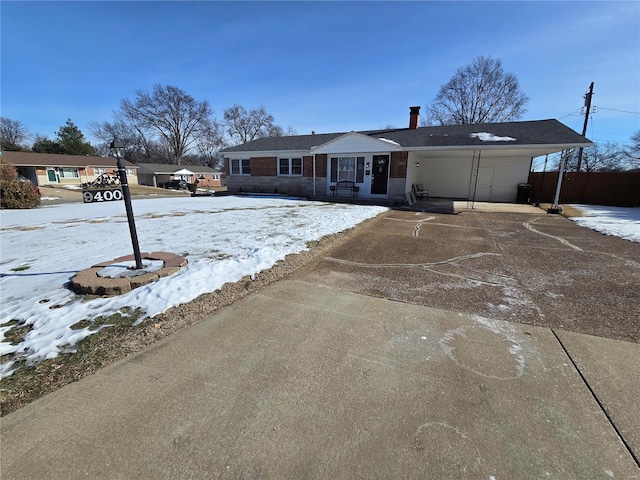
[{"x": 380, "y": 174}]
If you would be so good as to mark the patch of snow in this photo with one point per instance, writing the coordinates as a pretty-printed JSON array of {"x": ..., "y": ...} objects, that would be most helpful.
[
  {"x": 388, "y": 141},
  {"x": 490, "y": 137},
  {"x": 623, "y": 222},
  {"x": 125, "y": 269},
  {"x": 224, "y": 239},
  {"x": 72, "y": 187},
  {"x": 49, "y": 198}
]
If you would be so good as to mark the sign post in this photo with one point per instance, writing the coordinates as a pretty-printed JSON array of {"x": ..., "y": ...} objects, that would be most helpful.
[{"x": 117, "y": 148}]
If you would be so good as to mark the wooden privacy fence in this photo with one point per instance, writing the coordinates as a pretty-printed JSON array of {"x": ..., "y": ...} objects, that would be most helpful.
[{"x": 620, "y": 189}]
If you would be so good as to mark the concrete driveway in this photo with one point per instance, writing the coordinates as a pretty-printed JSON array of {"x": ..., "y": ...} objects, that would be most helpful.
[{"x": 426, "y": 346}]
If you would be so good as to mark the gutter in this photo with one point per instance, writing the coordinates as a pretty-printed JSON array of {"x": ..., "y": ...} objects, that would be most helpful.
[{"x": 505, "y": 146}]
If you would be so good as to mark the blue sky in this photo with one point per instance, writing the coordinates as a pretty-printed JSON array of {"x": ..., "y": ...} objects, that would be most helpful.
[{"x": 323, "y": 66}]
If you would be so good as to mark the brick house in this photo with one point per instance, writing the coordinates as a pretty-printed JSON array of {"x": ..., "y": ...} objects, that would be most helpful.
[
  {"x": 483, "y": 162},
  {"x": 57, "y": 169}
]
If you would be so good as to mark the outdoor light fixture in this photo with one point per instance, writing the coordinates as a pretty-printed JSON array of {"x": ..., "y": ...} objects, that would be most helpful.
[
  {"x": 117, "y": 149},
  {"x": 367, "y": 165},
  {"x": 417, "y": 164}
]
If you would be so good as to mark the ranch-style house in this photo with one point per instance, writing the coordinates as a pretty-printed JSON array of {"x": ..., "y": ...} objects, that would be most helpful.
[
  {"x": 60, "y": 170},
  {"x": 481, "y": 162}
]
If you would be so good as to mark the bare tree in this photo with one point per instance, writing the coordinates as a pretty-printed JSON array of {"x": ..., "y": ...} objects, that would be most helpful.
[
  {"x": 632, "y": 153},
  {"x": 210, "y": 141},
  {"x": 137, "y": 148},
  {"x": 478, "y": 93},
  {"x": 13, "y": 134},
  {"x": 602, "y": 157},
  {"x": 169, "y": 113},
  {"x": 278, "y": 131},
  {"x": 245, "y": 125}
]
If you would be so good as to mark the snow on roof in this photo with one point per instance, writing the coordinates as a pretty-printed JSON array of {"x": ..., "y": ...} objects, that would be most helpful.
[
  {"x": 389, "y": 141},
  {"x": 490, "y": 137}
]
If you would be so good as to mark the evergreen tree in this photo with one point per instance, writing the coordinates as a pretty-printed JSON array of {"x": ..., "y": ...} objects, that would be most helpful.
[{"x": 72, "y": 141}]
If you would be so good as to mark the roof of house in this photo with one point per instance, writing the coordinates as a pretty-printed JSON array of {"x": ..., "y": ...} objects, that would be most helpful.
[
  {"x": 168, "y": 168},
  {"x": 32, "y": 159},
  {"x": 536, "y": 132}
]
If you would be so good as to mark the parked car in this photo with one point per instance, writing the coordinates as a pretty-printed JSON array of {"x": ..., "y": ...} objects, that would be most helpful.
[
  {"x": 176, "y": 184},
  {"x": 33, "y": 185}
]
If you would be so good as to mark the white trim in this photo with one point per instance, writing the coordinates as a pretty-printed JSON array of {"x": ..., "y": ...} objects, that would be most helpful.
[
  {"x": 241, "y": 170},
  {"x": 266, "y": 153},
  {"x": 290, "y": 166},
  {"x": 540, "y": 146}
]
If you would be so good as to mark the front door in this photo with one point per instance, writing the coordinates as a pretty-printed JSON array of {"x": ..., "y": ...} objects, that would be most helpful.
[
  {"x": 380, "y": 175},
  {"x": 52, "y": 176}
]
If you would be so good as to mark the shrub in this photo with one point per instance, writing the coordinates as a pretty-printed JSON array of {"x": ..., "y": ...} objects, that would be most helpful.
[
  {"x": 7, "y": 171},
  {"x": 16, "y": 194}
]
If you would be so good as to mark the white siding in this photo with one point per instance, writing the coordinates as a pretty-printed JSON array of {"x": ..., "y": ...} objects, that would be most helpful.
[
  {"x": 445, "y": 177},
  {"x": 507, "y": 174},
  {"x": 497, "y": 180}
]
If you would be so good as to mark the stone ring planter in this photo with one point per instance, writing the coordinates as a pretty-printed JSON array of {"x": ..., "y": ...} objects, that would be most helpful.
[{"x": 88, "y": 282}]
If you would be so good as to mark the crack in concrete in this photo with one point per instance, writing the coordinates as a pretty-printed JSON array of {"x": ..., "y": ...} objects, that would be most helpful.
[
  {"x": 507, "y": 280},
  {"x": 528, "y": 226}
]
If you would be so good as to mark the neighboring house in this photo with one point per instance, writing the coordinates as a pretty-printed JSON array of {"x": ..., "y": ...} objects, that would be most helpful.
[
  {"x": 156, "y": 174},
  {"x": 483, "y": 162},
  {"x": 57, "y": 169}
]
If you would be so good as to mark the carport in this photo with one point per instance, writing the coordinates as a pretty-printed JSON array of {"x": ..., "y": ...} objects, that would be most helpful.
[{"x": 485, "y": 175}]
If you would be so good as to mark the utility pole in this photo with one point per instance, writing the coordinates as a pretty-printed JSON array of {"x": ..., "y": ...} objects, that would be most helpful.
[{"x": 587, "y": 104}]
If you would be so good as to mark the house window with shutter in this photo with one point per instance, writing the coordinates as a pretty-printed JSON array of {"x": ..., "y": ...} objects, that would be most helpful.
[{"x": 347, "y": 168}]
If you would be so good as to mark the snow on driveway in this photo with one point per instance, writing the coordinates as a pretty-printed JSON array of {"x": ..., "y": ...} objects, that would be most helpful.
[{"x": 223, "y": 239}]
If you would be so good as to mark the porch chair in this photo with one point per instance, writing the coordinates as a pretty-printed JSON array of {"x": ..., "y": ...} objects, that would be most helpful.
[{"x": 420, "y": 192}]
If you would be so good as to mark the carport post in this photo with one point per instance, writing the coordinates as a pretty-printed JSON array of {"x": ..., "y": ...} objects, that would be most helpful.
[{"x": 555, "y": 208}]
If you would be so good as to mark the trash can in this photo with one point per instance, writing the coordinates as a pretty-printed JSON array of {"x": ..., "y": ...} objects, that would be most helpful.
[{"x": 523, "y": 193}]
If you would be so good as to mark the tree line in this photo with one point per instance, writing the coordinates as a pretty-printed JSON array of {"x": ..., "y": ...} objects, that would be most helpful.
[{"x": 167, "y": 125}]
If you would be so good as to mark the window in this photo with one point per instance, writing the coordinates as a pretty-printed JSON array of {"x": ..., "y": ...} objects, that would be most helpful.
[
  {"x": 130, "y": 171},
  {"x": 69, "y": 173},
  {"x": 240, "y": 167},
  {"x": 290, "y": 166},
  {"x": 99, "y": 171},
  {"x": 347, "y": 168}
]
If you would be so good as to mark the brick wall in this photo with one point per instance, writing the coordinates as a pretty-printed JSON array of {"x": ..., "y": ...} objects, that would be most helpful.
[
  {"x": 399, "y": 162},
  {"x": 307, "y": 166},
  {"x": 264, "y": 166},
  {"x": 321, "y": 165}
]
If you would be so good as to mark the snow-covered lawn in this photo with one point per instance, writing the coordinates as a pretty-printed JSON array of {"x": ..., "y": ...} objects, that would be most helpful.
[
  {"x": 617, "y": 221},
  {"x": 223, "y": 239}
]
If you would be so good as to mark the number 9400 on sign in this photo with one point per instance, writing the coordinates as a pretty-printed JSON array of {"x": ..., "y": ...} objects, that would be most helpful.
[{"x": 102, "y": 195}]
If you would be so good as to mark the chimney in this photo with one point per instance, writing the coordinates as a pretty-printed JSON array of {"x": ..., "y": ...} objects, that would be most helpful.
[{"x": 414, "y": 116}]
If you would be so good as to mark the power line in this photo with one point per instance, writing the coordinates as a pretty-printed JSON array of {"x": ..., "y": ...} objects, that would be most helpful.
[
  {"x": 615, "y": 110},
  {"x": 575, "y": 113},
  {"x": 612, "y": 141}
]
